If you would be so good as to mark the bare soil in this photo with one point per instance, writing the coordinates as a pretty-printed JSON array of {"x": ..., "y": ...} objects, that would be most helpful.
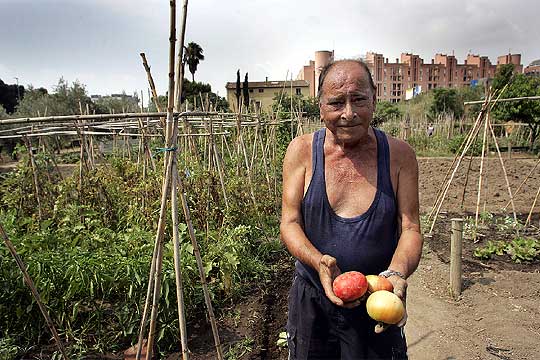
[{"x": 497, "y": 315}]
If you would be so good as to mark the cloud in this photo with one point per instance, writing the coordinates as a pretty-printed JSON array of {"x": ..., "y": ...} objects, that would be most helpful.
[{"x": 98, "y": 41}]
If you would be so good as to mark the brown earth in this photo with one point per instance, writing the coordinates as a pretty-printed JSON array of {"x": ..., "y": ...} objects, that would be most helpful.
[{"x": 497, "y": 315}]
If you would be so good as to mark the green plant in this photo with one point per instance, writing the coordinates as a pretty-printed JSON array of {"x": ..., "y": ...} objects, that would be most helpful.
[
  {"x": 519, "y": 249},
  {"x": 90, "y": 253},
  {"x": 240, "y": 348}
]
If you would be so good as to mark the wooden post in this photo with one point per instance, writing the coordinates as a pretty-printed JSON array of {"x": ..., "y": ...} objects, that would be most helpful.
[{"x": 455, "y": 257}]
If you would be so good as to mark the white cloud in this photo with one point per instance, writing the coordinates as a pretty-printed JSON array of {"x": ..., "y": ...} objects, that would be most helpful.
[{"x": 98, "y": 41}]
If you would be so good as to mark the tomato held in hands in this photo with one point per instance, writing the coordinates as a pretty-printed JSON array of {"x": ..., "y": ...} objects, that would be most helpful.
[
  {"x": 385, "y": 307},
  {"x": 377, "y": 283},
  {"x": 350, "y": 286}
]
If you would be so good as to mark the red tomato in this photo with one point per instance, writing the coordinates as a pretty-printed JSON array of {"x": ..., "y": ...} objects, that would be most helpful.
[{"x": 350, "y": 286}]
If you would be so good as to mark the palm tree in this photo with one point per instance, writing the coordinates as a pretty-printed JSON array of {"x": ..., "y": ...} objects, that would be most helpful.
[{"x": 193, "y": 54}]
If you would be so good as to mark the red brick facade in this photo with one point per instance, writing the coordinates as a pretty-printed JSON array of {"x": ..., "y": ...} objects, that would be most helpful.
[{"x": 393, "y": 79}]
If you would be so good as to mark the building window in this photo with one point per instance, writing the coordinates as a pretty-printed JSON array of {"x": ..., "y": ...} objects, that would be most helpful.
[
  {"x": 298, "y": 91},
  {"x": 261, "y": 90},
  {"x": 250, "y": 90}
]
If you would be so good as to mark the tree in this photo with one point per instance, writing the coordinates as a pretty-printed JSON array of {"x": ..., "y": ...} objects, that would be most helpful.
[
  {"x": 238, "y": 91},
  {"x": 446, "y": 101},
  {"x": 472, "y": 93},
  {"x": 191, "y": 90},
  {"x": 384, "y": 111},
  {"x": 282, "y": 105},
  {"x": 66, "y": 99},
  {"x": 245, "y": 91},
  {"x": 10, "y": 96},
  {"x": 193, "y": 55},
  {"x": 120, "y": 103},
  {"x": 526, "y": 111},
  {"x": 502, "y": 76},
  {"x": 3, "y": 113}
]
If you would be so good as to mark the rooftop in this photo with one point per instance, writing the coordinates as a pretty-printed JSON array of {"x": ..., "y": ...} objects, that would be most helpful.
[{"x": 271, "y": 84}]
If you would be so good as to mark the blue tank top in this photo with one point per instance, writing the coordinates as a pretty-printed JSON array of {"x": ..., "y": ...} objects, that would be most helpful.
[{"x": 364, "y": 243}]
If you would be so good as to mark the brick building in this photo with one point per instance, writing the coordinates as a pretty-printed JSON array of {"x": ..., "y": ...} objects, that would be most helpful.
[
  {"x": 533, "y": 69},
  {"x": 310, "y": 72},
  {"x": 394, "y": 80},
  {"x": 409, "y": 75}
]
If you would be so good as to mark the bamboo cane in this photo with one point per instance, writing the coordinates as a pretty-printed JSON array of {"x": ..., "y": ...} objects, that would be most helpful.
[
  {"x": 158, "y": 249},
  {"x": 504, "y": 171},
  {"x": 486, "y": 177},
  {"x": 28, "y": 280},
  {"x": 176, "y": 103},
  {"x": 472, "y": 134},
  {"x": 486, "y": 123},
  {"x": 200, "y": 266},
  {"x": 522, "y": 183},
  {"x": 440, "y": 200},
  {"x": 35, "y": 176},
  {"x": 466, "y": 181},
  {"x": 465, "y": 144},
  {"x": 528, "y": 221},
  {"x": 155, "y": 97}
]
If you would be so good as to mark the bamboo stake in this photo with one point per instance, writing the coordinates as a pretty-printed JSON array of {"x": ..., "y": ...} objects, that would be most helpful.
[
  {"x": 155, "y": 97},
  {"x": 465, "y": 144},
  {"x": 472, "y": 134},
  {"x": 504, "y": 171},
  {"x": 486, "y": 122},
  {"x": 200, "y": 266},
  {"x": 158, "y": 248},
  {"x": 440, "y": 200},
  {"x": 35, "y": 176},
  {"x": 522, "y": 183},
  {"x": 28, "y": 280},
  {"x": 466, "y": 181},
  {"x": 174, "y": 186},
  {"x": 532, "y": 208}
]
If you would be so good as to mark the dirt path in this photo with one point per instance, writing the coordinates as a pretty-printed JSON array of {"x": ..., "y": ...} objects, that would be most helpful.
[{"x": 497, "y": 317}]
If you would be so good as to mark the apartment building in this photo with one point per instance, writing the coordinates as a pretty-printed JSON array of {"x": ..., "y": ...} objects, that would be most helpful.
[
  {"x": 533, "y": 69},
  {"x": 409, "y": 75},
  {"x": 395, "y": 81}
]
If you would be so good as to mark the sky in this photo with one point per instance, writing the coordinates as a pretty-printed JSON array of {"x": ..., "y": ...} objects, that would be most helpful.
[{"x": 98, "y": 42}]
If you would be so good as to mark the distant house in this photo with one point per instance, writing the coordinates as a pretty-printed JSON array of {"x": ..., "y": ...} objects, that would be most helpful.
[
  {"x": 533, "y": 69},
  {"x": 262, "y": 93}
]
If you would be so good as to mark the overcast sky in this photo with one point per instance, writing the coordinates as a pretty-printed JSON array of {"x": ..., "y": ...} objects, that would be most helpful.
[{"x": 98, "y": 41}]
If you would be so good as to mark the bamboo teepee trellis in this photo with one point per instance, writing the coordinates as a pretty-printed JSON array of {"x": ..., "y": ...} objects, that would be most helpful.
[{"x": 483, "y": 119}]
